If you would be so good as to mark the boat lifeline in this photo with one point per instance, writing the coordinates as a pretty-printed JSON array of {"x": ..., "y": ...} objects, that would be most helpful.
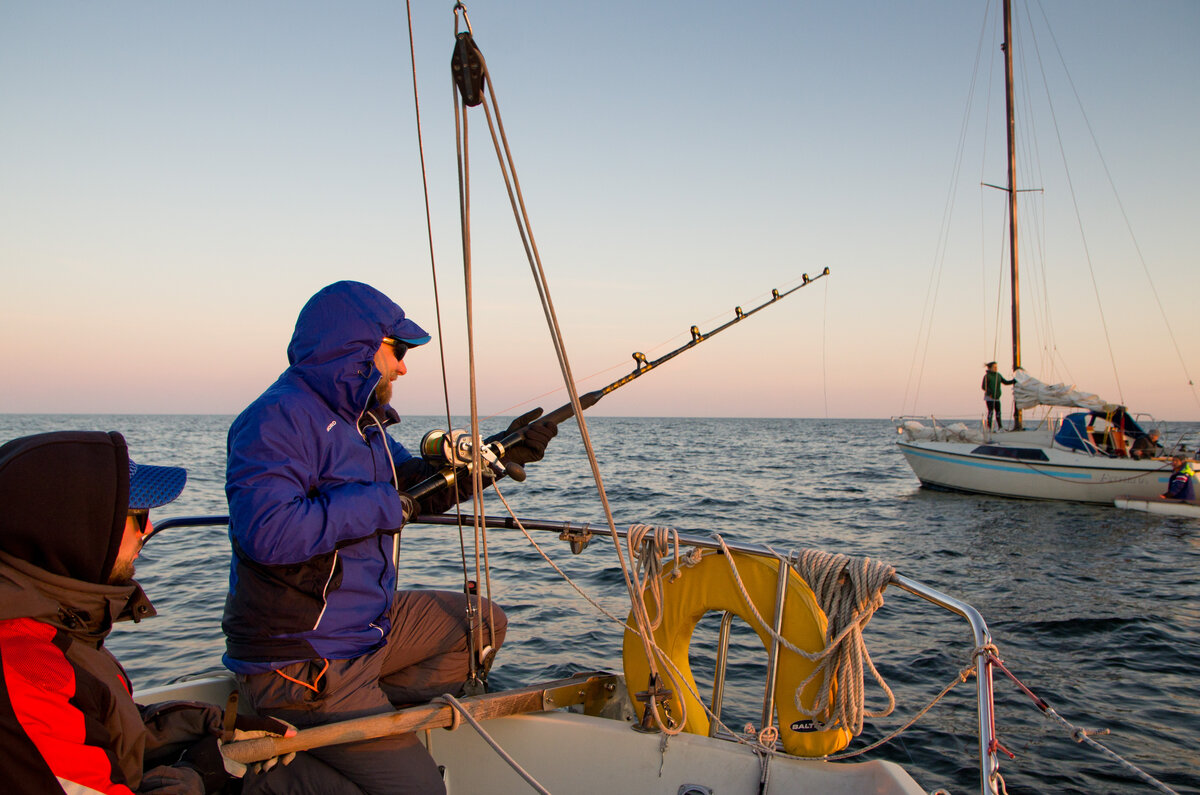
[{"x": 567, "y": 735}]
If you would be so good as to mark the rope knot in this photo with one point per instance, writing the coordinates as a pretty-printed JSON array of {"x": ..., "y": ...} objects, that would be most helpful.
[{"x": 648, "y": 545}]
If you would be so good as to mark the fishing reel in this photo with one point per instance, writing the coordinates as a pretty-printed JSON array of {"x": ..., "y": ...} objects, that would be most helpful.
[{"x": 457, "y": 449}]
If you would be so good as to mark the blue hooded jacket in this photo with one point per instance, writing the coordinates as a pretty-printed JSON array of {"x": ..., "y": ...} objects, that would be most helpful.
[{"x": 312, "y": 505}]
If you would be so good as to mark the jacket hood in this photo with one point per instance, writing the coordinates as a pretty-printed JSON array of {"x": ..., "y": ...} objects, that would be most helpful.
[
  {"x": 86, "y": 610},
  {"x": 65, "y": 496},
  {"x": 333, "y": 346}
]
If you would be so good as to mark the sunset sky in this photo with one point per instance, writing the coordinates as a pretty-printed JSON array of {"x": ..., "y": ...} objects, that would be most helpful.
[{"x": 176, "y": 179}]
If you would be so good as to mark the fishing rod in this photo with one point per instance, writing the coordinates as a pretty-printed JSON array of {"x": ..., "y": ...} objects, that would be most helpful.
[{"x": 453, "y": 451}]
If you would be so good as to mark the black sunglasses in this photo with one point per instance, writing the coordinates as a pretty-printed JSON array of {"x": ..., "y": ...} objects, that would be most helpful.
[
  {"x": 398, "y": 348},
  {"x": 142, "y": 516}
]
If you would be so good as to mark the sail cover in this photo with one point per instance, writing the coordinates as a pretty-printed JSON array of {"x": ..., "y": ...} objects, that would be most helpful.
[{"x": 1030, "y": 392}]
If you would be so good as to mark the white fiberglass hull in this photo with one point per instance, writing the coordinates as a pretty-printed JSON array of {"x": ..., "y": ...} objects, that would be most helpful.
[
  {"x": 1047, "y": 473},
  {"x": 569, "y": 752}
]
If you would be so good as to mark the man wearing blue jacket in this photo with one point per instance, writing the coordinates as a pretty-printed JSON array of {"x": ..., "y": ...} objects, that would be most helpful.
[{"x": 314, "y": 628}]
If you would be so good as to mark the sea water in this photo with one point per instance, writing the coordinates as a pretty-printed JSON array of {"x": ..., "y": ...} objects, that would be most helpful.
[{"x": 1093, "y": 608}]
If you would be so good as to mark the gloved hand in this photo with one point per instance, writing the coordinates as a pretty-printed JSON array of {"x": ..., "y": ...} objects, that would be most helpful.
[
  {"x": 205, "y": 758},
  {"x": 410, "y": 506},
  {"x": 537, "y": 436},
  {"x": 251, "y": 727}
]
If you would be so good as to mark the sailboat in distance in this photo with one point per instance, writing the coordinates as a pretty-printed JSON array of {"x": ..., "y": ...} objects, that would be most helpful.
[{"x": 1086, "y": 455}]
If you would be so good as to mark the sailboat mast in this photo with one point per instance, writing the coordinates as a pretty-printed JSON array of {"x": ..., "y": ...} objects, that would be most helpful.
[{"x": 1012, "y": 201}]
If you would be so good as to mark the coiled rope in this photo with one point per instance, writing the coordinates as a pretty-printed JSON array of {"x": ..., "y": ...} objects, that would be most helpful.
[{"x": 849, "y": 591}]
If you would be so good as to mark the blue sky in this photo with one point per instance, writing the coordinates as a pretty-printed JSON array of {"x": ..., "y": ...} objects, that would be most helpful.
[{"x": 176, "y": 179}]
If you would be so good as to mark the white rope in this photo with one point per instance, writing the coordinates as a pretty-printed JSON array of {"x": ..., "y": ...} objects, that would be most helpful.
[
  {"x": 673, "y": 673},
  {"x": 525, "y": 229},
  {"x": 849, "y": 590},
  {"x": 961, "y": 677},
  {"x": 758, "y": 741},
  {"x": 1078, "y": 733},
  {"x": 516, "y": 766},
  {"x": 1081, "y": 735},
  {"x": 646, "y": 555}
]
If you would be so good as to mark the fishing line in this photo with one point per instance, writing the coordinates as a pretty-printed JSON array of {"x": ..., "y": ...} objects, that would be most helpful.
[
  {"x": 925, "y": 326},
  {"x": 788, "y": 288},
  {"x": 825, "y": 351}
]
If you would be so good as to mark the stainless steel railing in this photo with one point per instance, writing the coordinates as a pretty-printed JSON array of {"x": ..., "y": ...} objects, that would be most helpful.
[{"x": 579, "y": 536}]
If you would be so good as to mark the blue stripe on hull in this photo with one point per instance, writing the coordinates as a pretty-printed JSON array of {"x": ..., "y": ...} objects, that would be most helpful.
[{"x": 972, "y": 462}]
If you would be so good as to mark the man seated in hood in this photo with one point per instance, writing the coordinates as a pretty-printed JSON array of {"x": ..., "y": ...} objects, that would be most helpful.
[
  {"x": 314, "y": 626},
  {"x": 74, "y": 513}
]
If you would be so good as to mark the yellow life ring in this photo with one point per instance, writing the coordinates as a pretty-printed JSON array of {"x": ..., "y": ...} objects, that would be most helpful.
[{"x": 710, "y": 585}]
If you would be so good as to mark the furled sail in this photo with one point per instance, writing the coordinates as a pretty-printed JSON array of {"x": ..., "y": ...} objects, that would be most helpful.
[{"x": 1030, "y": 392}]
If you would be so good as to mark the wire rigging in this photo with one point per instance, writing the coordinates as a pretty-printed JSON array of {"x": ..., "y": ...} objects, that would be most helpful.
[
  {"x": 487, "y": 98},
  {"x": 474, "y": 634},
  {"x": 1121, "y": 206},
  {"x": 925, "y": 331}
]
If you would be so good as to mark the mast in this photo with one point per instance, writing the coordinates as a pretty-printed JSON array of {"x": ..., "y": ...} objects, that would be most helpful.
[{"x": 1012, "y": 203}]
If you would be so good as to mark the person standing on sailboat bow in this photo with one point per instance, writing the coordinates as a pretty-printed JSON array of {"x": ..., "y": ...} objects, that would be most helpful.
[
  {"x": 315, "y": 630},
  {"x": 991, "y": 393}
]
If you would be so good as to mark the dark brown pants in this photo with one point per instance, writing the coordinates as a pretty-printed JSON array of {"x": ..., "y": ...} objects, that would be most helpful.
[{"x": 424, "y": 656}]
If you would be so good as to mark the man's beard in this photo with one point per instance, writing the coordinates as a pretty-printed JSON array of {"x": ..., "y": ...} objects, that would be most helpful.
[{"x": 383, "y": 392}]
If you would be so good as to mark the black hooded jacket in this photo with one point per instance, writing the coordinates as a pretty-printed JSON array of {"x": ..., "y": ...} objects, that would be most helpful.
[{"x": 67, "y": 717}]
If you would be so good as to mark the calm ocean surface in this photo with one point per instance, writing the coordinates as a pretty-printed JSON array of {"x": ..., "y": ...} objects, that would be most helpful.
[{"x": 1095, "y": 609}]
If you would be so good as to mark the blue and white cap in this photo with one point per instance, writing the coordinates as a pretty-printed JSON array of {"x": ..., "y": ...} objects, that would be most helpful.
[
  {"x": 152, "y": 486},
  {"x": 409, "y": 333}
]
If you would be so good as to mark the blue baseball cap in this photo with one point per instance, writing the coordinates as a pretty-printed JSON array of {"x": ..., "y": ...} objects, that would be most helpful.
[
  {"x": 409, "y": 333},
  {"x": 152, "y": 486}
]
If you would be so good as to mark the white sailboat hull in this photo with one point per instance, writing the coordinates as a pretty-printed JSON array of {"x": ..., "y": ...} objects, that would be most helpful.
[
  {"x": 572, "y": 753},
  {"x": 1047, "y": 473},
  {"x": 569, "y": 752}
]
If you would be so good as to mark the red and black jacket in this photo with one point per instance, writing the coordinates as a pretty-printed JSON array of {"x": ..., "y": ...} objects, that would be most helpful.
[{"x": 68, "y": 722}]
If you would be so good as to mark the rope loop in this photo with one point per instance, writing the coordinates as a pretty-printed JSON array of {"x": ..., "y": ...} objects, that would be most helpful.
[
  {"x": 456, "y": 707},
  {"x": 455, "y": 715},
  {"x": 648, "y": 545},
  {"x": 849, "y": 591}
]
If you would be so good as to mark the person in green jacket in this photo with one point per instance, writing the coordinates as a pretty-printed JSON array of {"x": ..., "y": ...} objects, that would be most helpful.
[{"x": 991, "y": 393}]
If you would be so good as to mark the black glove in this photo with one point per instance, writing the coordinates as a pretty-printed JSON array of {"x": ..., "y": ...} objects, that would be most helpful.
[
  {"x": 410, "y": 509},
  {"x": 164, "y": 780},
  {"x": 205, "y": 758},
  {"x": 537, "y": 436},
  {"x": 410, "y": 506},
  {"x": 264, "y": 726}
]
